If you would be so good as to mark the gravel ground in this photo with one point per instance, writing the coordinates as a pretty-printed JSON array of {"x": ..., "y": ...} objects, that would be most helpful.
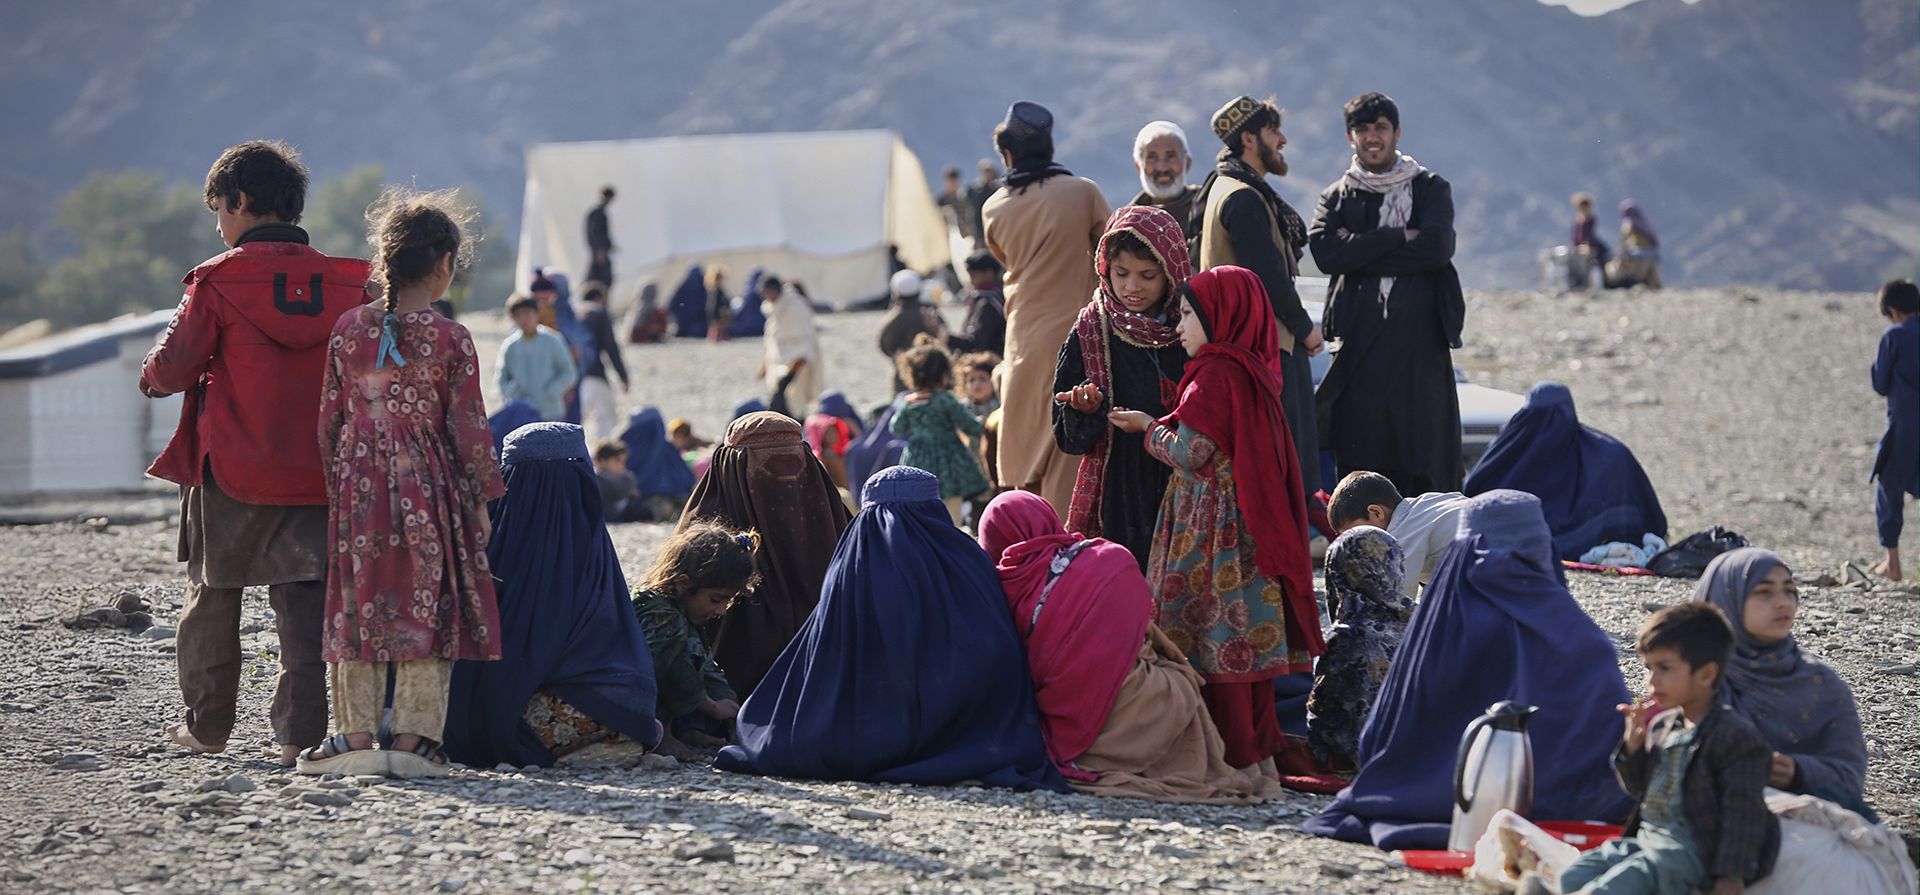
[{"x": 1749, "y": 409}]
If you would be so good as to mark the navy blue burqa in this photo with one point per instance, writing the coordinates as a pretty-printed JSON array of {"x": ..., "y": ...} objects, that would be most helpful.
[
  {"x": 511, "y": 415},
  {"x": 1590, "y": 487},
  {"x": 908, "y": 670},
  {"x": 688, "y": 306},
  {"x": 875, "y": 449},
  {"x": 749, "y": 319},
  {"x": 657, "y": 466},
  {"x": 1496, "y": 623},
  {"x": 566, "y": 620}
]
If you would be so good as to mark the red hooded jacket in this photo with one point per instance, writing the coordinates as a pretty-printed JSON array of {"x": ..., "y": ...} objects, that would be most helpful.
[{"x": 248, "y": 345}]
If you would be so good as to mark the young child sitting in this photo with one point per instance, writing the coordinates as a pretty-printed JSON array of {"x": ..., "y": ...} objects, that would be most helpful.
[
  {"x": 1697, "y": 769},
  {"x": 930, "y": 418},
  {"x": 696, "y": 578},
  {"x": 620, "y": 499},
  {"x": 980, "y": 395}
]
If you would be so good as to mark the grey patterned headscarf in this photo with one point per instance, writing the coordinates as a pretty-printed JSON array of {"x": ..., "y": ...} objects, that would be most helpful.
[
  {"x": 1364, "y": 569},
  {"x": 1793, "y": 698}
]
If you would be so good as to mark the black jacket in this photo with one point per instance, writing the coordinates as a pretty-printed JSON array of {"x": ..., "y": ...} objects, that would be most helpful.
[{"x": 1723, "y": 795}]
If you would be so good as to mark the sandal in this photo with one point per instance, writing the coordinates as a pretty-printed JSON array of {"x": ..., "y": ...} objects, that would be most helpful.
[
  {"x": 337, "y": 756},
  {"x": 424, "y": 760}
]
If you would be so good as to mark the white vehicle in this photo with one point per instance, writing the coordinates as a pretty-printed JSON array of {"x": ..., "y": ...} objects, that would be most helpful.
[{"x": 1483, "y": 411}]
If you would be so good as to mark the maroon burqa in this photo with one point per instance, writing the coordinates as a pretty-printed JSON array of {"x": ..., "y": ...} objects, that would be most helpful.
[{"x": 764, "y": 477}]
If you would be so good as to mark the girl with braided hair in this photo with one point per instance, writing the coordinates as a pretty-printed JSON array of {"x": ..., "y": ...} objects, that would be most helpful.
[{"x": 410, "y": 468}]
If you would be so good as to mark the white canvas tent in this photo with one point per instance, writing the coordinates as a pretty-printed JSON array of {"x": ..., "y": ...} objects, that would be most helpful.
[{"x": 817, "y": 207}]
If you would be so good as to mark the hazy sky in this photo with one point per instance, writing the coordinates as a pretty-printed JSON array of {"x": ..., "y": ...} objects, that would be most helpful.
[{"x": 1594, "y": 7}]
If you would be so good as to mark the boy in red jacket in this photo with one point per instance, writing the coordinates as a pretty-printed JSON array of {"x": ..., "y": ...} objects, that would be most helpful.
[{"x": 247, "y": 346}]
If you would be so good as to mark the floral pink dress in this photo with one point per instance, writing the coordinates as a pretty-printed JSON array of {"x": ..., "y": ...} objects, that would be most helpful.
[{"x": 410, "y": 468}]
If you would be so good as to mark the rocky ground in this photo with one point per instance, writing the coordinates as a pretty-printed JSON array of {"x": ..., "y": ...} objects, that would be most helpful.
[{"x": 1748, "y": 408}]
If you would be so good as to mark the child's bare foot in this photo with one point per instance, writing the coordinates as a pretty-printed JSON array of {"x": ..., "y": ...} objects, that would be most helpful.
[
  {"x": 671, "y": 747},
  {"x": 1888, "y": 568},
  {"x": 179, "y": 735},
  {"x": 703, "y": 739}
]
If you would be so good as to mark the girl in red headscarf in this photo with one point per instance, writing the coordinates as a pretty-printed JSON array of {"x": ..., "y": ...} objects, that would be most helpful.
[
  {"x": 1124, "y": 351},
  {"x": 1229, "y": 564}
]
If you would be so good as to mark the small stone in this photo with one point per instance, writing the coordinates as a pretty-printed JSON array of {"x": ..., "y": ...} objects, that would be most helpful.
[
  {"x": 79, "y": 761},
  {"x": 868, "y": 814},
  {"x": 715, "y": 850},
  {"x": 1174, "y": 851},
  {"x": 1338, "y": 871},
  {"x": 369, "y": 779},
  {"x": 1899, "y": 669},
  {"x": 1051, "y": 851},
  {"x": 149, "y": 786},
  {"x": 1824, "y": 579},
  {"x": 786, "y": 819},
  {"x": 158, "y": 632},
  {"x": 1102, "y": 826},
  {"x": 579, "y": 857},
  {"x": 17, "y": 708},
  {"x": 451, "y": 884},
  {"x": 230, "y": 830},
  {"x": 326, "y": 800},
  {"x": 1653, "y": 605}
]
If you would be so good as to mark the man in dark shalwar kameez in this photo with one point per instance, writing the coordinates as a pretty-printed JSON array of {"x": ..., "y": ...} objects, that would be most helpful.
[
  {"x": 1384, "y": 233},
  {"x": 1239, "y": 219}
]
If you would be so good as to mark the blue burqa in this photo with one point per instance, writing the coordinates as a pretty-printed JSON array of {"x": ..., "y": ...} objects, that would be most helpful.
[
  {"x": 512, "y": 415},
  {"x": 657, "y": 467},
  {"x": 688, "y": 306},
  {"x": 908, "y": 670},
  {"x": 877, "y": 448},
  {"x": 1590, "y": 487},
  {"x": 566, "y": 621},
  {"x": 750, "y": 405},
  {"x": 1496, "y": 623},
  {"x": 749, "y": 319},
  {"x": 833, "y": 402}
]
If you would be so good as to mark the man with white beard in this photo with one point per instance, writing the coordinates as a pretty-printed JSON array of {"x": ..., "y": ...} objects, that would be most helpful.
[{"x": 1161, "y": 157}]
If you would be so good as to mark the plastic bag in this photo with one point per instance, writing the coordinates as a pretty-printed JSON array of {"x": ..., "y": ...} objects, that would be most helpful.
[
  {"x": 1826, "y": 848},
  {"x": 1549, "y": 854},
  {"x": 1689, "y": 556}
]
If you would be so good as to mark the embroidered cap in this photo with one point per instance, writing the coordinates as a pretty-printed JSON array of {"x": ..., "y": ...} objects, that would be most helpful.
[{"x": 1233, "y": 117}]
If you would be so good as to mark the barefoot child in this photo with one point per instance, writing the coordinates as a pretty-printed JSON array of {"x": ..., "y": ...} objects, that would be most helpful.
[
  {"x": 1896, "y": 376},
  {"x": 1697, "y": 769},
  {"x": 1229, "y": 561},
  {"x": 1124, "y": 351},
  {"x": 699, "y": 573},
  {"x": 410, "y": 468},
  {"x": 930, "y": 418}
]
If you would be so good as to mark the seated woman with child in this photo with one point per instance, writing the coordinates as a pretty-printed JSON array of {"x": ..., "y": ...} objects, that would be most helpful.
[{"x": 573, "y": 669}]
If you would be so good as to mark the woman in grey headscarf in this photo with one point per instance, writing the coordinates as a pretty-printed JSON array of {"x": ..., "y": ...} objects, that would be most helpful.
[{"x": 1803, "y": 708}]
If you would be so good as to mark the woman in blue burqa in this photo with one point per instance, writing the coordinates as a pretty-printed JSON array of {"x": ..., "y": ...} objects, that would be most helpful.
[
  {"x": 1591, "y": 488},
  {"x": 1495, "y": 623},
  {"x": 574, "y": 669},
  {"x": 909, "y": 669}
]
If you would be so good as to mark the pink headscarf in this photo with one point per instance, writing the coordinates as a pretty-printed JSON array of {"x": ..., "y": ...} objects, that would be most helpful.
[{"x": 1090, "y": 626}]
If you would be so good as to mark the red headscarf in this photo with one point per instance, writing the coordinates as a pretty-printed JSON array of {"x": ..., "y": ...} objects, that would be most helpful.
[
  {"x": 1231, "y": 394},
  {"x": 1090, "y": 626},
  {"x": 1105, "y": 317}
]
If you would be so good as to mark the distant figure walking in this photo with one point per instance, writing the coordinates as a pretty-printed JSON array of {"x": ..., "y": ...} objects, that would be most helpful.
[
  {"x": 600, "y": 241},
  {"x": 1896, "y": 375}
]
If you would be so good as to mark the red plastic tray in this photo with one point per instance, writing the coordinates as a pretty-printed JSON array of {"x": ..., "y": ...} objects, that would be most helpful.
[
  {"x": 1584, "y": 835},
  {"x": 1438, "y": 862}
]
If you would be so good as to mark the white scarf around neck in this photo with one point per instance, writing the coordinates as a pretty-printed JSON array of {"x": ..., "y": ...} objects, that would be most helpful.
[{"x": 1396, "y": 185}]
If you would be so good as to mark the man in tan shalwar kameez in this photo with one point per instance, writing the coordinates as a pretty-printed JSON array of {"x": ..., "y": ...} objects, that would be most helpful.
[{"x": 1042, "y": 225}]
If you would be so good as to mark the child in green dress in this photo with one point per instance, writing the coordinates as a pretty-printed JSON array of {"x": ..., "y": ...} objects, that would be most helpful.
[
  {"x": 696, "y": 578},
  {"x": 930, "y": 419}
]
